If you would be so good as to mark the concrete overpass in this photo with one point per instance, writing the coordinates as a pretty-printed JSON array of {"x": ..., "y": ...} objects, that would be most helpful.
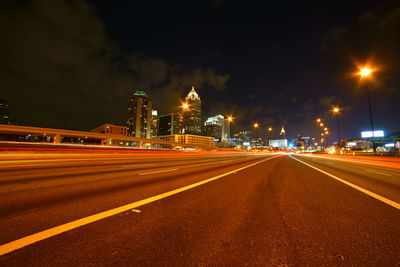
[{"x": 56, "y": 136}]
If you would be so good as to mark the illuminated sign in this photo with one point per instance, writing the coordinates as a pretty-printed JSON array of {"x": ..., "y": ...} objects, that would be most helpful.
[
  {"x": 389, "y": 145},
  {"x": 246, "y": 143},
  {"x": 368, "y": 134},
  {"x": 278, "y": 143},
  {"x": 351, "y": 144}
]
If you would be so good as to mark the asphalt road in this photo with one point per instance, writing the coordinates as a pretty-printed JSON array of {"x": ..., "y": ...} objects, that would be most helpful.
[{"x": 159, "y": 210}]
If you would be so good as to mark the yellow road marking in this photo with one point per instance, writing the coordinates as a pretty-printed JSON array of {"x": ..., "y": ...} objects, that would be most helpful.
[
  {"x": 28, "y": 240},
  {"x": 359, "y": 188}
]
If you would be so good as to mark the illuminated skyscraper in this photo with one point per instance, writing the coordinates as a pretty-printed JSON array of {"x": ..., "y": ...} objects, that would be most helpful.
[
  {"x": 216, "y": 127},
  {"x": 139, "y": 115},
  {"x": 192, "y": 115}
]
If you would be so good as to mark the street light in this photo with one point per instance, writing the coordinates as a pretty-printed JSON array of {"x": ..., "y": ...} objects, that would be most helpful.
[
  {"x": 364, "y": 73},
  {"x": 269, "y": 135},
  {"x": 229, "y": 119},
  {"x": 318, "y": 120},
  {"x": 185, "y": 106},
  {"x": 336, "y": 111},
  {"x": 256, "y": 125},
  {"x": 321, "y": 124}
]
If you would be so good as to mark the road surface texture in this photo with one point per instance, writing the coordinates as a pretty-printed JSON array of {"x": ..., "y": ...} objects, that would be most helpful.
[{"x": 166, "y": 209}]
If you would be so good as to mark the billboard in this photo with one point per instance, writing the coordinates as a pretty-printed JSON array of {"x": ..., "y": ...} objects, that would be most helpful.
[
  {"x": 281, "y": 143},
  {"x": 368, "y": 134}
]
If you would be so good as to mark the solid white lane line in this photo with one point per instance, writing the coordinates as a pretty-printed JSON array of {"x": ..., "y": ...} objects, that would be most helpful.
[
  {"x": 379, "y": 172},
  {"x": 359, "y": 188},
  {"x": 147, "y": 173},
  {"x": 28, "y": 240}
]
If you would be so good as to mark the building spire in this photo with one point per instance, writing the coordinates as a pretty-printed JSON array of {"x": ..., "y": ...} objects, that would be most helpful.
[
  {"x": 192, "y": 95},
  {"x": 283, "y": 131}
]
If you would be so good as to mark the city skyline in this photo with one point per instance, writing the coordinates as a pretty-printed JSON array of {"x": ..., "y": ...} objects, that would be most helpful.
[
  {"x": 199, "y": 133},
  {"x": 258, "y": 74}
]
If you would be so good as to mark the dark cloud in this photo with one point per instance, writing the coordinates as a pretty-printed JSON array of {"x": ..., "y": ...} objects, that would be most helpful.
[
  {"x": 392, "y": 17},
  {"x": 168, "y": 84},
  {"x": 252, "y": 96},
  {"x": 336, "y": 34},
  {"x": 331, "y": 40},
  {"x": 308, "y": 105},
  {"x": 367, "y": 17},
  {"x": 257, "y": 110},
  {"x": 327, "y": 102},
  {"x": 59, "y": 68}
]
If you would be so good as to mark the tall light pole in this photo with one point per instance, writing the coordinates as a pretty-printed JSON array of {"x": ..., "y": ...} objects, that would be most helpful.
[
  {"x": 364, "y": 73},
  {"x": 269, "y": 134},
  {"x": 229, "y": 119},
  {"x": 255, "y": 126},
  {"x": 336, "y": 111}
]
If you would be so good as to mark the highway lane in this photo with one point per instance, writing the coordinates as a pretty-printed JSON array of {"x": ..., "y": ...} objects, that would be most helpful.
[
  {"x": 381, "y": 180},
  {"x": 39, "y": 198},
  {"x": 278, "y": 212}
]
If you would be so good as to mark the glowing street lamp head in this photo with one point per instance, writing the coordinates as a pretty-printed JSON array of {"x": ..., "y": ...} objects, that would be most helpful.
[
  {"x": 185, "y": 106},
  {"x": 335, "y": 110},
  {"x": 269, "y": 129},
  {"x": 321, "y": 124},
  {"x": 230, "y": 118},
  {"x": 365, "y": 72},
  {"x": 318, "y": 120},
  {"x": 255, "y": 125}
]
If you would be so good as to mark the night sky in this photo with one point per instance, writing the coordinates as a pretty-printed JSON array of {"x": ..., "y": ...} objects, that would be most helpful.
[{"x": 74, "y": 64}]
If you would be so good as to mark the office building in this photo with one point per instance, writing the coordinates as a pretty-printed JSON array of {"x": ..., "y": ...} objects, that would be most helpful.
[
  {"x": 192, "y": 114},
  {"x": 112, "y": 129},
  {"x": 216, "y": 127},
  {"x": 4, "y": 112},
  {"x": 170, "y": 124},
  {"x": 242, "y": 138},
  {"x": 139, "y": 115},
  {"x": 154, "y": 124},
  {"x": 197, "y": 140}
]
